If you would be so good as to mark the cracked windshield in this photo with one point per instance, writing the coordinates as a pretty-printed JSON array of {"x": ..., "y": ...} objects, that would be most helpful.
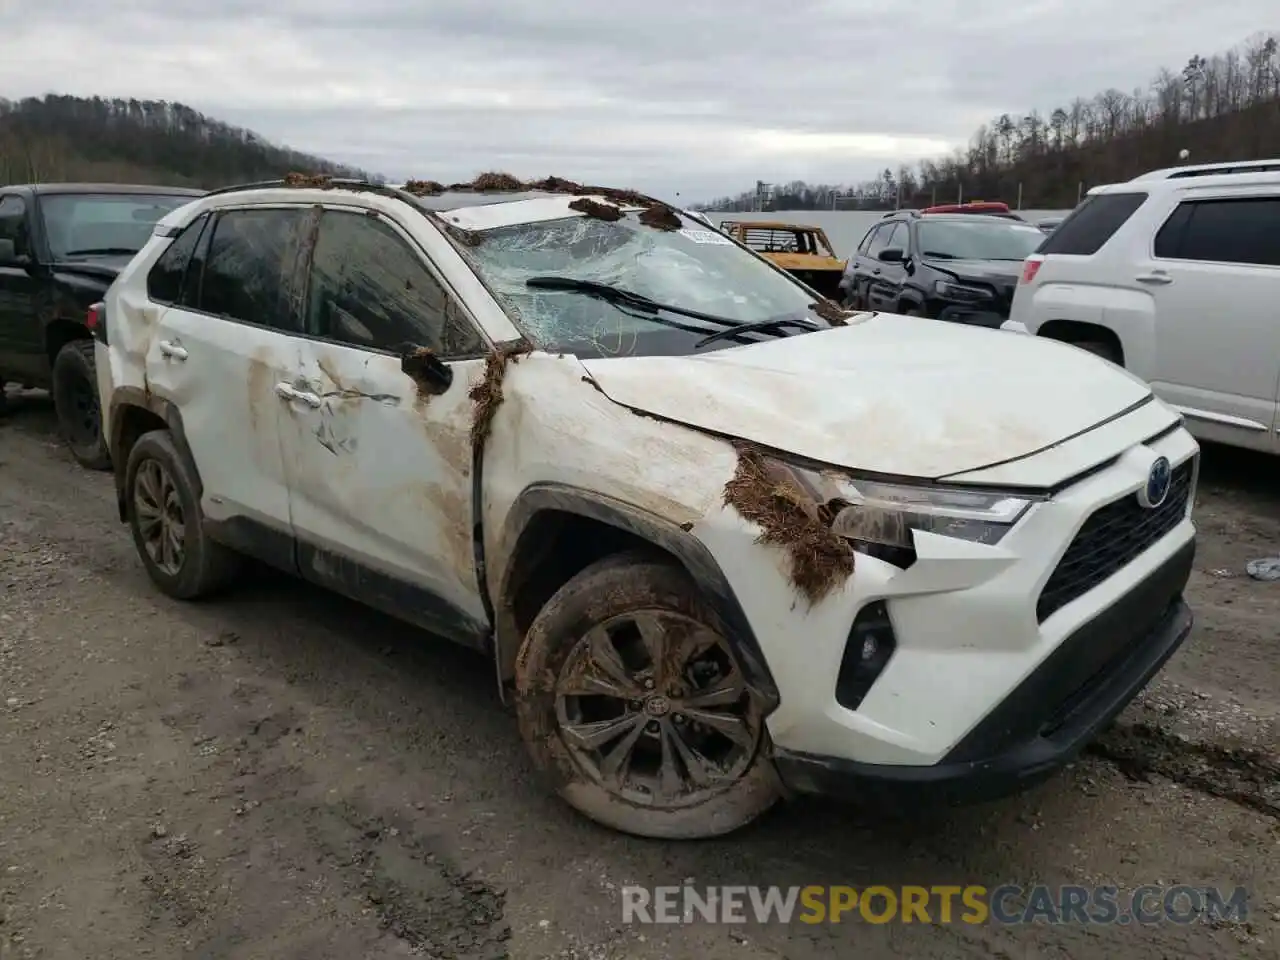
[{"x": 694, "y": 268}]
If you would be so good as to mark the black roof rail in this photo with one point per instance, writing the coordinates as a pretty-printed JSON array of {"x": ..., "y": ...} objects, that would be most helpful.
[
  {"x": 321, "y": 182},
  {"x": 906, "y": 212}
]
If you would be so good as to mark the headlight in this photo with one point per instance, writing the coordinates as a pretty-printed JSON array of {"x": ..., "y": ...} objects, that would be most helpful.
[
  {"x": 886, "y": 513},
  {"x": 959, "y": 291}
]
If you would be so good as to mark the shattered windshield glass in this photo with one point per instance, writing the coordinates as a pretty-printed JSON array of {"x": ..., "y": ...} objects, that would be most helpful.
[{"x": 693, "y": 268}]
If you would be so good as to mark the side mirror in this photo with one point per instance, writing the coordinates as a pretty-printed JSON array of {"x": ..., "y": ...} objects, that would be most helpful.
[
  {"x": 428, "y": 371},
  {"x": 891, "y": 255}
]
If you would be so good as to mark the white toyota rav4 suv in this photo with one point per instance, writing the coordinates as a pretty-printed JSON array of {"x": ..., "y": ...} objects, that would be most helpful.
[
  {"x": 721, "y": 538},
  {"x": 1175, "y": 275}
]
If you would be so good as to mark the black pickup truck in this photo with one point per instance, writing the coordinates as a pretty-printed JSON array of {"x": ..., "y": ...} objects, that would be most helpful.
[{"x": 61, "y": 246}]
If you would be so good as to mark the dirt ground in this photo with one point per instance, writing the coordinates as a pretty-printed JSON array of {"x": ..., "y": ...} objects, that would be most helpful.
[{"x": 283, "y": 774}]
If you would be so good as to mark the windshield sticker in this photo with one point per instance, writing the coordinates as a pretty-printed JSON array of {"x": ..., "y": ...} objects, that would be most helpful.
[{"x": 706, "y": 236}]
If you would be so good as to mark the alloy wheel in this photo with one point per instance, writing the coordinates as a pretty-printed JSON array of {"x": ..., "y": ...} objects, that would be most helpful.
[{"x": 652, "y": 705}]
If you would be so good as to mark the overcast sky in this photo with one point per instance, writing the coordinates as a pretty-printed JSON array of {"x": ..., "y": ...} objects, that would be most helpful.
[{"x": 700, "y": 98}]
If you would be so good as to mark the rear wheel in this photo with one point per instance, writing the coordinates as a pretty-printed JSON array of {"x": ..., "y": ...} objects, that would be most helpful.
[
  {"x": 631, "y": 701},
  {"x": 75, "y": 398},
  {"x": 164, "y": 517}
]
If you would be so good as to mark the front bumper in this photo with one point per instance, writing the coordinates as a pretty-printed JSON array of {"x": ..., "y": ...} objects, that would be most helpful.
[{"x": 1045, "y": 722}]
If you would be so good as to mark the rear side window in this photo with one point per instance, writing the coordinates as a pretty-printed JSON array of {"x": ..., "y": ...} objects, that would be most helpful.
[
  {"x": 1092, "y": 223},
  {"x": 1238, "y": 230},
  {"x": 165, "y": 280},
  {"x": 248, "y": 257}
]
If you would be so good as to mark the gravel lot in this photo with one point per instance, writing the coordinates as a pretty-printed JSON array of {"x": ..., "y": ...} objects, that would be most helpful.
[{"x": 283, "y": 774}]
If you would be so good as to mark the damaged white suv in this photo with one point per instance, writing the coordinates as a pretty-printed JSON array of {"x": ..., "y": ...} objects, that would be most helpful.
[{"x": 721, "y": 539}]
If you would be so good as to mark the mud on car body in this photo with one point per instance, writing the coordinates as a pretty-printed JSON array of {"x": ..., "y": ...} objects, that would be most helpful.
[
  {"x": 61, "y": 246},
  {"x": 719, "y": 540}
]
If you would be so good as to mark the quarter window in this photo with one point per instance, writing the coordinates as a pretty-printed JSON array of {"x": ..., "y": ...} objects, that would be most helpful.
[
  {"x": 166, "y": 278},
  {"x": 370, "y": 288}
]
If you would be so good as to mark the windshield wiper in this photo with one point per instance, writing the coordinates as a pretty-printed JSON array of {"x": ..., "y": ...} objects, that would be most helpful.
[
  {"x": 756, "y": 325},
  {"x": 101, "y": 251},
  {"x": 618, "y": 295},
  {"x": 638, "y": 301},
  {"x": 939, "y": 255}
]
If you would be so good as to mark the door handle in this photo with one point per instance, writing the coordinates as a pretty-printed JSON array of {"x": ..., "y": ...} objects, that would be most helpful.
[
  {"x": 875, "y": 272},
  {"x": 172, "y": 350},
  {"x": 1155, "y": 277},
  {"x": 288, "y": 392}
]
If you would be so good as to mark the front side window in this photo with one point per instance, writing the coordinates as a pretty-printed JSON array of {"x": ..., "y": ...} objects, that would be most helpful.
[
  {"x": 881, "y": 240},
  {"x": 979, "y": 238},
  {"x": 369, "y": 288},
  {"x": 81, "y": 226},
  {"x": 13, "y": 224},
  {"x": 692, "y": 268},
  {"x": 246, "y": 264}
]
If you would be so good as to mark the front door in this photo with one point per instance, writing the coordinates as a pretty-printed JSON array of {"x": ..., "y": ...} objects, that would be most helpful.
[
  {"x": 1213, "y": 279},
  {"x": 21, "y": 342},
  {"x": 379, "y": 462},
  {"x": 219, "y": 355}
]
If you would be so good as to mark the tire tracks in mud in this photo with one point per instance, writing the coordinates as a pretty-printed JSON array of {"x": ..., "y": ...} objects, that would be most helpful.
[{"x": 1243, "y": 775}]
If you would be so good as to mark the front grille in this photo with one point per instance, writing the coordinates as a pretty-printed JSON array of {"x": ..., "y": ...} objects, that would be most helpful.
[{"x": 1112, "y": 538}]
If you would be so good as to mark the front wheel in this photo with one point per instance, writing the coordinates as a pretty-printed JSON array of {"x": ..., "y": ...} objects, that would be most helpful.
[
  {"x": 630, "y": 699},
  {"x": 75, "y": 399}
]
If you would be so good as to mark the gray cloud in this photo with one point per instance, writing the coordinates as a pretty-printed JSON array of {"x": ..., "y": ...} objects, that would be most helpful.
[{"x": 665, "y": 95}]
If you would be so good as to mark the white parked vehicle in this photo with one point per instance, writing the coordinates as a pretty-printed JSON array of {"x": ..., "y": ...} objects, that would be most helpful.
[
  {"x": 717, "y": 542},
  {"x": 1175, "y": 275}
]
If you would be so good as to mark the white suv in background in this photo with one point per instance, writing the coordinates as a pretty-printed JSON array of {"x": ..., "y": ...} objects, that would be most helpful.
[
  {"x": 718, "y": 539},
  {"x": 1176, "y": 276}
]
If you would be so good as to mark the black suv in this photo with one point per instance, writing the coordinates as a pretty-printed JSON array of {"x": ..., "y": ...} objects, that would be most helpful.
[
  {"x": 950, "y": 266},
  {"x": 61, "y": 245}
]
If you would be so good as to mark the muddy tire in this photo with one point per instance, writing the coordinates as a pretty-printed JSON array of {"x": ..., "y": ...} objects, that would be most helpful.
[
  {"x": 164, "y": 517},
  {"x": 75, "y": 398},
  {"x": 1100, "y": 349},
  {"x": 631, "y": 702},
  {"x": 913, "y": 312}
]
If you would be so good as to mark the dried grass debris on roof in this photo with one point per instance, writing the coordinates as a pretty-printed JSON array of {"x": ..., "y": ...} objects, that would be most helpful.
[
  {"x": 660, "y": 217},
  {"x": 763, "y": 492},
  {"x": 424, "y": 188},
  {"x": 313, "y": 180},
  {"x": 596, "y": 209}
]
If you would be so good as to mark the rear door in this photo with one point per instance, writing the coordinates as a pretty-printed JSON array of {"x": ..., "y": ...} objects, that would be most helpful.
[
  {"x": 1214, "y": 274},
  {"x": 379, "y": 464},
  {"x": 220, "y": 355},
  {"x": 21, "y": 344}
]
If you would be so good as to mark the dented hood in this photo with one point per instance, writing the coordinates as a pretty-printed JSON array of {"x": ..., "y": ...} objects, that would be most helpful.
[{"x": 887, "y": 394}]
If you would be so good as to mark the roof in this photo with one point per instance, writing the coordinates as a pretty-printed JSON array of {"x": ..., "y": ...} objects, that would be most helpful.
[
  {"x": 1211, "y": 169},
  {"x": 1259, "y": 176},
  {"x": 485, "y": 211},
  {"x": 52, "y": 189}
]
